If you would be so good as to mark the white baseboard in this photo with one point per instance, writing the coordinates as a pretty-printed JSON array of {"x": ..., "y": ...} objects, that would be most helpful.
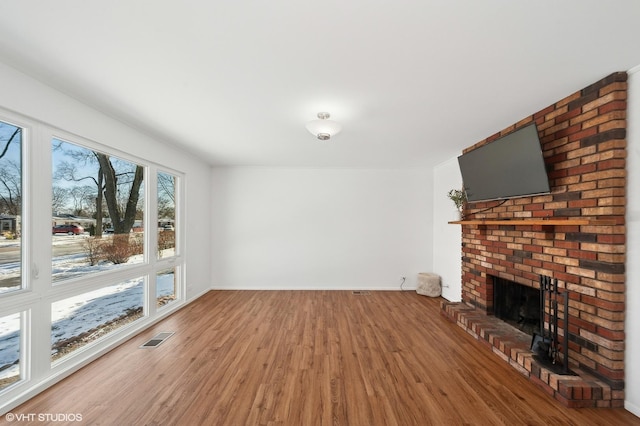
[
  {"x": 314, "y": 288},
  {"x": 632, "y": 408}
]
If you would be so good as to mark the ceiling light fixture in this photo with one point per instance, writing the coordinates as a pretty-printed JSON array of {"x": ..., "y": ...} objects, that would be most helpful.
[{"x": 323, "y": 128}]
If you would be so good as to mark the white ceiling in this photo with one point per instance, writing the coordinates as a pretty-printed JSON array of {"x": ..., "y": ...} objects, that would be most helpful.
[{"x": 412, "y": 82}]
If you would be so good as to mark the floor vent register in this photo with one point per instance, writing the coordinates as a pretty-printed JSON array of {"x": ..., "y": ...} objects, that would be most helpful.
[{"x": 157, "y": 340}]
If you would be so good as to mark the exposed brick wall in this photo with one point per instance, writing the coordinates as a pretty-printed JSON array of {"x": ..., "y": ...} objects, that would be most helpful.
[{"x": 583, "y": 141}]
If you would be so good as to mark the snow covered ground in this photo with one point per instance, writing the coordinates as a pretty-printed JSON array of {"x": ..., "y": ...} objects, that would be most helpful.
[{"x": 76, "y": 315}]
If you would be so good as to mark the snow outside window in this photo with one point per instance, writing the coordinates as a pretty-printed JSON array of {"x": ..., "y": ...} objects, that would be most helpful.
[
  {"x": 9, "y": 350},
  {"x": 166, "y": 286},
  {"x": 88, "y": 317}
]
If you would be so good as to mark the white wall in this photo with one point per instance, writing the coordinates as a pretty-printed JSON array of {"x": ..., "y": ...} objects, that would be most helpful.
[
  {"x": 632, "y": 320},
  {"x": 282, "y": 228},
  {"x": 447, "y": 239},
  {"x": 26, "y": 96}
]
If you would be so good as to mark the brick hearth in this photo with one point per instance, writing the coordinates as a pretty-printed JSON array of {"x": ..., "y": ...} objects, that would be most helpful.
[
  {"x": 584, "y": 145},
  {"x": 513, "y": 346}
]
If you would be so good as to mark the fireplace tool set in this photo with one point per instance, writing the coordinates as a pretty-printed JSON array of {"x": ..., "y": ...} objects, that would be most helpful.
[{"x": 545, "y": 344}]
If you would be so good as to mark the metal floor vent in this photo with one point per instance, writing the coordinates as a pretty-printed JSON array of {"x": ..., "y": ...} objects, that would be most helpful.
[
  {"x": 157, "y": 339},
  {"x": 361, "y": 292}
]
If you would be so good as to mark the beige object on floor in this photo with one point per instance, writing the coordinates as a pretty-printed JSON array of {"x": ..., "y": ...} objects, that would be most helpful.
[{"x": 429, "y": 284}]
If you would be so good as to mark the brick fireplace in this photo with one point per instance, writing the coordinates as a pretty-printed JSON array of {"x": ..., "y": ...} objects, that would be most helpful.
[{"x": 583, "y": 139}]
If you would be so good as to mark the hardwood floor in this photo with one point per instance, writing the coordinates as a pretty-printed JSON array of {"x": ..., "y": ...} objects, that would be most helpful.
[{"x": 309, "y": 358}]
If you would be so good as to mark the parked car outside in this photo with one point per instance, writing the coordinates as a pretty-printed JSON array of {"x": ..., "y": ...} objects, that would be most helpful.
[
  {"x": 168, "y": 228},
  {"x": 68, "y": 229}
]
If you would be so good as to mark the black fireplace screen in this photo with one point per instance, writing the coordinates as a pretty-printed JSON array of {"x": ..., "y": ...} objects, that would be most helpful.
[
  {"x": 517, "y": 304},
  {"x": 538, "y": 312}
]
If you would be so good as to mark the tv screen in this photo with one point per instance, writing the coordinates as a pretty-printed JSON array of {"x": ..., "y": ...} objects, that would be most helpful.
[{"x": 512, "y": 166}]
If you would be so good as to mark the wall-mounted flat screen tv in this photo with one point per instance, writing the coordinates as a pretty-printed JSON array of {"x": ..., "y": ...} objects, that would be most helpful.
[{"x": 509, "y": 167}]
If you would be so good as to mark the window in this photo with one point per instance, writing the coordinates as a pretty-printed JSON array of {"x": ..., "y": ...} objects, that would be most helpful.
[
  {"x": 85, "y": 210},
  {"x": 166, "y": 215},
  {"x": 98, "y": 211},
  {"x": 9, "y": 350},
  {"x": 83, "y": 319},
  {"x": 10, "y": 207},
  {"x": 166, "y": 279},
  {"x": 166, "y": 286}
]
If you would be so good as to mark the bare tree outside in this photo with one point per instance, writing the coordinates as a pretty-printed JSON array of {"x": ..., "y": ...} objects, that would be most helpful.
[
  {"x": 116, "y": 181},
  {"x": 105, "y": 195},
  {"x": 80, "y": 165},
  {"x": 10, "y": 187},
  {"x": 84, "y": 200},
  {"x": 166, "y": 193},
  {"x": 9, "y": 134},
  {"x": 59, "y": 198},
  {"x": 166, "y": 280},
  {"x": 10, "y": 206}
]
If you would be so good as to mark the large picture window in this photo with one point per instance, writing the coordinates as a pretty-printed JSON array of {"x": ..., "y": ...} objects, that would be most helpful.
[
  {"x": 89, "y": 250},
  {"x": 10, "y": 207},
  {"x": 98, "y": 211}
]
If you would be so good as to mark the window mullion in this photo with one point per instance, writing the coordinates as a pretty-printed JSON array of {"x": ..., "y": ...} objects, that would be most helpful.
[
  {"x": 151, "y": 213},
  {"x": 38, "y": 273}
]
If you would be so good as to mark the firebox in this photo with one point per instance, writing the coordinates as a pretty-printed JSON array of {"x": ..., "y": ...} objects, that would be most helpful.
[{"x": 516, "y": 304}]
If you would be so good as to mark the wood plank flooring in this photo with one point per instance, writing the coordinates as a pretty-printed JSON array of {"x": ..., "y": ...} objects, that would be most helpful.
[{"x": 309, "y": 358}]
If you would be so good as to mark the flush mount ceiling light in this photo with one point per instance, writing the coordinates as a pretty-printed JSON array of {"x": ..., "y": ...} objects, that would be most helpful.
[{"x": 323, "y": 128}]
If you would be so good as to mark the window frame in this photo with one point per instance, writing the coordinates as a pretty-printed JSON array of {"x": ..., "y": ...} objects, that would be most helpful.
[
  {"x": 177, "y": 260},
  {"x": 37, "y": 293},
  {"x": 25, "y": 170}
]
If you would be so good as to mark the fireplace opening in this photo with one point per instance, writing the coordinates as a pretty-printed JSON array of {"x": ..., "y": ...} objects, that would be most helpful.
[{"x": 517, "y": 304}]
